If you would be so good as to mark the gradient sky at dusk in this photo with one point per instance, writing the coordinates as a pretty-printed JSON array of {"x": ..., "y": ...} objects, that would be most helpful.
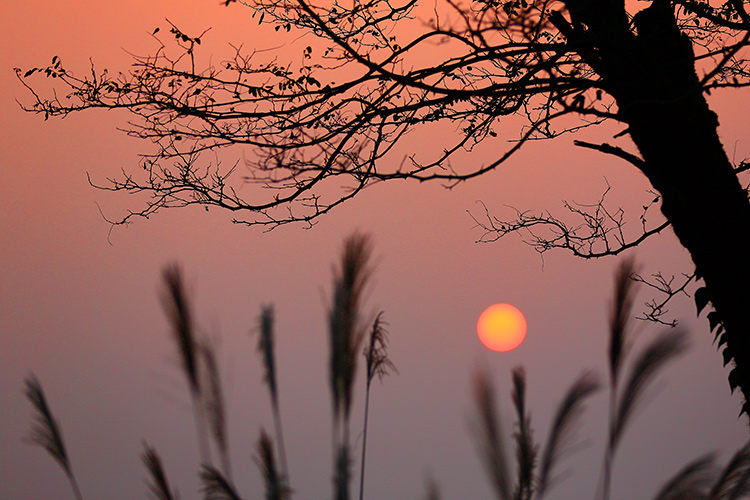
[{"x": 79, "y": 305}]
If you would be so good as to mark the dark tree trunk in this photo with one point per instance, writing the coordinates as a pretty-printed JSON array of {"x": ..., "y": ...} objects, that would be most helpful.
[
  {"x": 652, "y": 77},
  {"x": 709, "y": 212}
]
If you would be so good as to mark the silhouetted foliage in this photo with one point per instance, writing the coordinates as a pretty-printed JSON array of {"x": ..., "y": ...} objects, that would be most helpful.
[
  {"x": 322, "y": 130},
  {"x": 534, "y": 463}
]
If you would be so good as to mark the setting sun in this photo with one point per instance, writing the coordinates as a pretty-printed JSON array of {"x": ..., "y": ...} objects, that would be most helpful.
[{"x": 501, "y": 327}]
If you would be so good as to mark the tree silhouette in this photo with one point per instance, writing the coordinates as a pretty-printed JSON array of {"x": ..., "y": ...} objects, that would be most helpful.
[{"x": 317, "y": 133}]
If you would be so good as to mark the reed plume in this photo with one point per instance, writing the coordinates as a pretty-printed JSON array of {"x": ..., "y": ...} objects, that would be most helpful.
[
  {"x": 46, "y": 433},
  {"x": 346, "y": 336},
  {"x": 179, "y": 314},
  {"x": 651, "y": 360},
  {"x": 691, "y": 482},
  {"x": 662, "y": 349},
  {"x": 213, "y": 401},
  {"x": 216, "y": 486},
  {"x": 526, "y": 450},
  {"x": 266, "y": 349},
  {"x": 734, "y": 481},
  {"x": 563, "y": 425},
  {"x": 619, "y": 318},
  {"x": 158, "y": 486},
  {"x": 378, "y": 365},
  {"x": 489, "y": 440},
  {"x": 701, "y": 479},
  {"x": 344, "y": 319},
  {"x": 488, "y": 435},
  {"x": 376, "y": 351},
  {"x": 276, "y": 486}
]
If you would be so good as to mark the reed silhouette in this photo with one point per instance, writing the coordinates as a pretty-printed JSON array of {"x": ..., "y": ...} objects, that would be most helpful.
[
  {"x": 46, "y": 433},
  {"x": 265, "y": 347},
  {"x": 526, "y": 475},
  {"x": 510, "y": 72},
  {"x": 179, "y": 313},
  {"x": 628, "y": 381},
  {"x": 158, "y": 486},
  {"x": 378, "y": 365},
  {"x": 346, "y": 335}
]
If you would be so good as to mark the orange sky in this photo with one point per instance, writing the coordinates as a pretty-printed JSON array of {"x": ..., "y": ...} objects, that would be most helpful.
[{"x": 83, "y": 314}]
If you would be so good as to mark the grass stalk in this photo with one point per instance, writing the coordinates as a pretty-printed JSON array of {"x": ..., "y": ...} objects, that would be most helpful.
[
  {"x": 179, "y": 313},
  {"x": 46, "y": 432},
  {"x": 488, "y": 435},
  {"x": 213, "y": 402},
  {"x": 217, "y": 486},
  {"x": 698, "y": 480},
  {"x": 364, "y": 444},
  {"x": 563, "y": 424},
  {"x": 619, "y": 325},
  {"x": 346, "y": 336},
  {"x": 735, "y": 478},
  {"x": 266, "y": 348},
  {"x": 158, "y": 486},
  {"x": 378, "y": 365},
  {"x": 276, "y": 486},
  {"x": 526, "y": 450},
  {"x": 626, "y": 393}
]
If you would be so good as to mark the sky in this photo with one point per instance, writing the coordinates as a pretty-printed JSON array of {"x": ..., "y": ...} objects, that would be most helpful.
[{"x": 79, "y": 304}]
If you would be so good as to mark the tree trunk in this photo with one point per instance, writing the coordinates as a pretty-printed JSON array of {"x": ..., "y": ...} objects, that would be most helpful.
[
  {"x": 709, "y": 212},
  {"x": 652, "y": 78}
]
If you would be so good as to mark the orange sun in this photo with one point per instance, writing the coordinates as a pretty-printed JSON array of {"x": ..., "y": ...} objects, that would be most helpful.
[{"x": 501, "y": 327}]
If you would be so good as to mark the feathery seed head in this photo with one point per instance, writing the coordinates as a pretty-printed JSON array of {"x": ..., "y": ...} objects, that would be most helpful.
[
  {"x": 177, "y": 308},
  {"x": 345, "y": 330},
  {"x": 266, "y": 346},
  {"x": 44, "y": 431},
  {"x": 375, "y": 351},
  {"x": 619, "y": 317}
]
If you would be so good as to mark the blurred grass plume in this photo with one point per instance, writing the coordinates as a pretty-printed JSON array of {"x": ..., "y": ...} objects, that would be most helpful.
[{"x": 528, "y": 473}]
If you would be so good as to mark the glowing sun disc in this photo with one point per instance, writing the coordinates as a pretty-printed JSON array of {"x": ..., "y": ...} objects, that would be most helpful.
[{"x": 501, "y": 327}]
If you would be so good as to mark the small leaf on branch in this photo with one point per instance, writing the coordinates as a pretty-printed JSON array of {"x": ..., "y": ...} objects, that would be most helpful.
[
  {"x": 713, "y": 320},
  {"x": 701, "y": 299},
  {"x": 727, "y": 354}
]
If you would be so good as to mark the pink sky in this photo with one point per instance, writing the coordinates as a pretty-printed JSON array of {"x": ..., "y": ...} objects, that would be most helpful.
[{"x": 83, "y": 313}]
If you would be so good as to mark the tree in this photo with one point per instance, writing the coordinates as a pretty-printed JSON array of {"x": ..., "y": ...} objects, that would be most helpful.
[{"x": 561, "y": 65}]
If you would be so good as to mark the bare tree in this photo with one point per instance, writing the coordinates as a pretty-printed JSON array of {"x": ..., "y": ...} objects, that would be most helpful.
[{"x": 364, "y": 82}]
